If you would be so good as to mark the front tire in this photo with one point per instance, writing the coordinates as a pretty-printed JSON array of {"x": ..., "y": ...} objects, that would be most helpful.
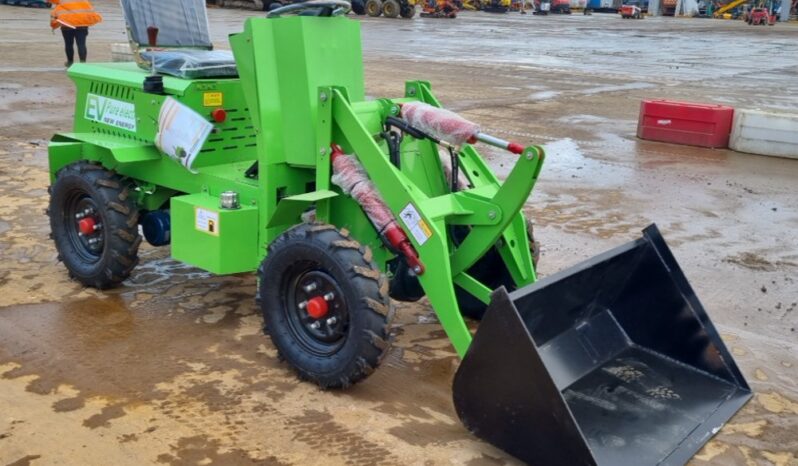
[
  {"x": 94, "y": 224},
  {"x": 325, "y": 305}
]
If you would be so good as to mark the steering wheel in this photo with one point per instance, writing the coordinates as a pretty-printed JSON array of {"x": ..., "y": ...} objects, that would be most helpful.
[{"x": 323, "y": 8}]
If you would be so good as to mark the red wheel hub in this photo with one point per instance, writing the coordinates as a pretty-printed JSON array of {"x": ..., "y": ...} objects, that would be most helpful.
[
  {"x": 317, "y": 307},
  {"x": 86, "y": 225}
]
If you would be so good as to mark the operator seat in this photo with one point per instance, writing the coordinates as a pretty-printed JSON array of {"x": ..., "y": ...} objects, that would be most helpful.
[{"x": 183, "y": 46}]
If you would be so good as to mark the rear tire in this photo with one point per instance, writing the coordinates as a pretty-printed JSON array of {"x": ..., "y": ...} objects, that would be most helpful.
[
  {"x": 390, "y": 8},
  {"x": 374, "y": 8},
  {"x": 85, "y": 192},
  {"x": 331, "y": 354},
  {"x": 408, "y": 10},
  {"x": 491, "y": 271},
  {"x": 358, "y": 7},
  {"x": 269, "y": 5}
]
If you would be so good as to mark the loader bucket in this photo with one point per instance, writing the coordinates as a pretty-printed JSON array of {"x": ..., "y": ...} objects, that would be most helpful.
[{"x": 611, "y": 362}]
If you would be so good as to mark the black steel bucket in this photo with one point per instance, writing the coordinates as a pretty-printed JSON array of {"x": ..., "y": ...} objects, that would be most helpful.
[{"x": 611, "y": 362}]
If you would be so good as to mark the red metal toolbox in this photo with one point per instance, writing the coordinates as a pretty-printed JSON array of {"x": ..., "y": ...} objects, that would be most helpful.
[{"x": 705, "y": 125}]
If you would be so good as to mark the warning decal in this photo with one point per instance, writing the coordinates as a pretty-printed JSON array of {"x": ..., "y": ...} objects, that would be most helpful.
[
  {"x": 206, "y": 221},
  {"x": 212, "y": 99},
  {"x": 417, "y": 226}
]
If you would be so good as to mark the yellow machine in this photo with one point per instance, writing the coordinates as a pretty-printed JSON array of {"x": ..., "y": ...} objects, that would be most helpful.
[
  {"x": 496, "y": 6},
  {"x": 719, "y": 13}
]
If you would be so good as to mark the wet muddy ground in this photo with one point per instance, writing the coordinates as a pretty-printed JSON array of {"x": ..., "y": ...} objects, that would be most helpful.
[{"x": 172, "y": 367}]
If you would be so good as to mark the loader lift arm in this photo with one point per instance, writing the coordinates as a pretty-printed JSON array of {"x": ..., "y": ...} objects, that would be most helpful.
[{"x": 491, "y": 208}]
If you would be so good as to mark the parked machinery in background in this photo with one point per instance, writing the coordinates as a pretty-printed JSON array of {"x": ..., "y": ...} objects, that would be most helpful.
[
  {"x": 669, "y": 7},
  {"x": 729, "y": 8},
  {"x": 388, "y": 8},
  {"x": 760, "y": 16},
  {"x": 406, "y": 8},
  {"x": 28, "y": 3},
  {"x": 631, "y": 11},
  {"x": 561, "y": 7},
  {"x": 438, "y": 9},
  {"x": 495, "y": 6},
  {"x": 605, "y": 6},
  {"x": 542, "y": 7}
]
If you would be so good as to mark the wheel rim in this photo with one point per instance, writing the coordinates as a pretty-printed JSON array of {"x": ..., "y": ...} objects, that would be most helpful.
[
  {"x": 372, "y": 7},
  {"x": 389, "y": 10},
  {"x": 309, "y": 284},
  {"x": 83, "y": 223}
]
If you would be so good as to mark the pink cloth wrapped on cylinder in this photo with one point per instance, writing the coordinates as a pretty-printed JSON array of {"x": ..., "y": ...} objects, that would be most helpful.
[
  {"x": 351, "y": 177},
  {"x": 439, "y": 123}
]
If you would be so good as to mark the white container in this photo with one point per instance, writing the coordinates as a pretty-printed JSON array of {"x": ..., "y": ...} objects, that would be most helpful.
[{"x": 765, "y": 133}]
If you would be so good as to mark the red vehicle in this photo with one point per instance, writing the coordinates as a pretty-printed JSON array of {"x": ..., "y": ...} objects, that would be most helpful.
[
  {"x": 761, "y": 16},
  {"x": 544, "y": 7},
  {"x": 561, "y": 6},
  {"x": 631, "y": 11}
]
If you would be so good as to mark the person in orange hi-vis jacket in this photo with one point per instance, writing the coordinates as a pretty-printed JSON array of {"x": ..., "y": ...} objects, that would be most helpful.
[{"x": 74, "y": 18}]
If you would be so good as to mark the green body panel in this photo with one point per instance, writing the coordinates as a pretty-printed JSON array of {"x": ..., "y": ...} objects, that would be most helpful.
[
  {"x": 300, "y": 88},
  {"x": 203, "y": 235},
  {"x": 282, "y": 64}
]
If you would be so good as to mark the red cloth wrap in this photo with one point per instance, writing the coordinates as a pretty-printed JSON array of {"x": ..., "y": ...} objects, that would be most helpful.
[
  {"x": 442, "y": 124},
  {"x": 350, "y": 176}
]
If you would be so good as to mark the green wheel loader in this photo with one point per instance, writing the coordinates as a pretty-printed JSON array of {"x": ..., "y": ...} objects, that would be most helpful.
[{"x": 272, "y": 160}]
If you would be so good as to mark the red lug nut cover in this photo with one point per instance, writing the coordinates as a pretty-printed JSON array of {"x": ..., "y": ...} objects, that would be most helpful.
[
  {"x": 86, "y": 225},
  {"x": 317, "y": 307}
]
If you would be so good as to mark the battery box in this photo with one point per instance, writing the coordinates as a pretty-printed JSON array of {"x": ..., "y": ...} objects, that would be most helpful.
[{"x": 221, "y": 241}]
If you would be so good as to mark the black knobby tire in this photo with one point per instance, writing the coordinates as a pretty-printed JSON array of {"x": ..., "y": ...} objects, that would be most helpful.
[
  {"x": 489, "y": 269},
  {"x": 113, "y": 254},
  {"x": 404, "y": 284},
  {"x": 407, "y": 11},
  {"x": 492, "y": 272},
  {"x": 358, "y": 7},
  {"x": 330, "y": 355},
  {"x": 374, "y": 8},
  {"x": 390, "y": 8},
  {"x": 269, "y": 5}
]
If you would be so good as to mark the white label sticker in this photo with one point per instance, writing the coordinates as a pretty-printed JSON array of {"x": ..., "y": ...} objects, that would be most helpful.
[
  {"x": 417, "y": 226},
  {"x": 207, "y": 221},
  {"x": 664, "y": 122},
  {"x": 111, "y": 112}
]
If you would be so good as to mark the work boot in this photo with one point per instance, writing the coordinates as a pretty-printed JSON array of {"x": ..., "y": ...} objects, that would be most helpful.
[{"x": 67, "y": 63}]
